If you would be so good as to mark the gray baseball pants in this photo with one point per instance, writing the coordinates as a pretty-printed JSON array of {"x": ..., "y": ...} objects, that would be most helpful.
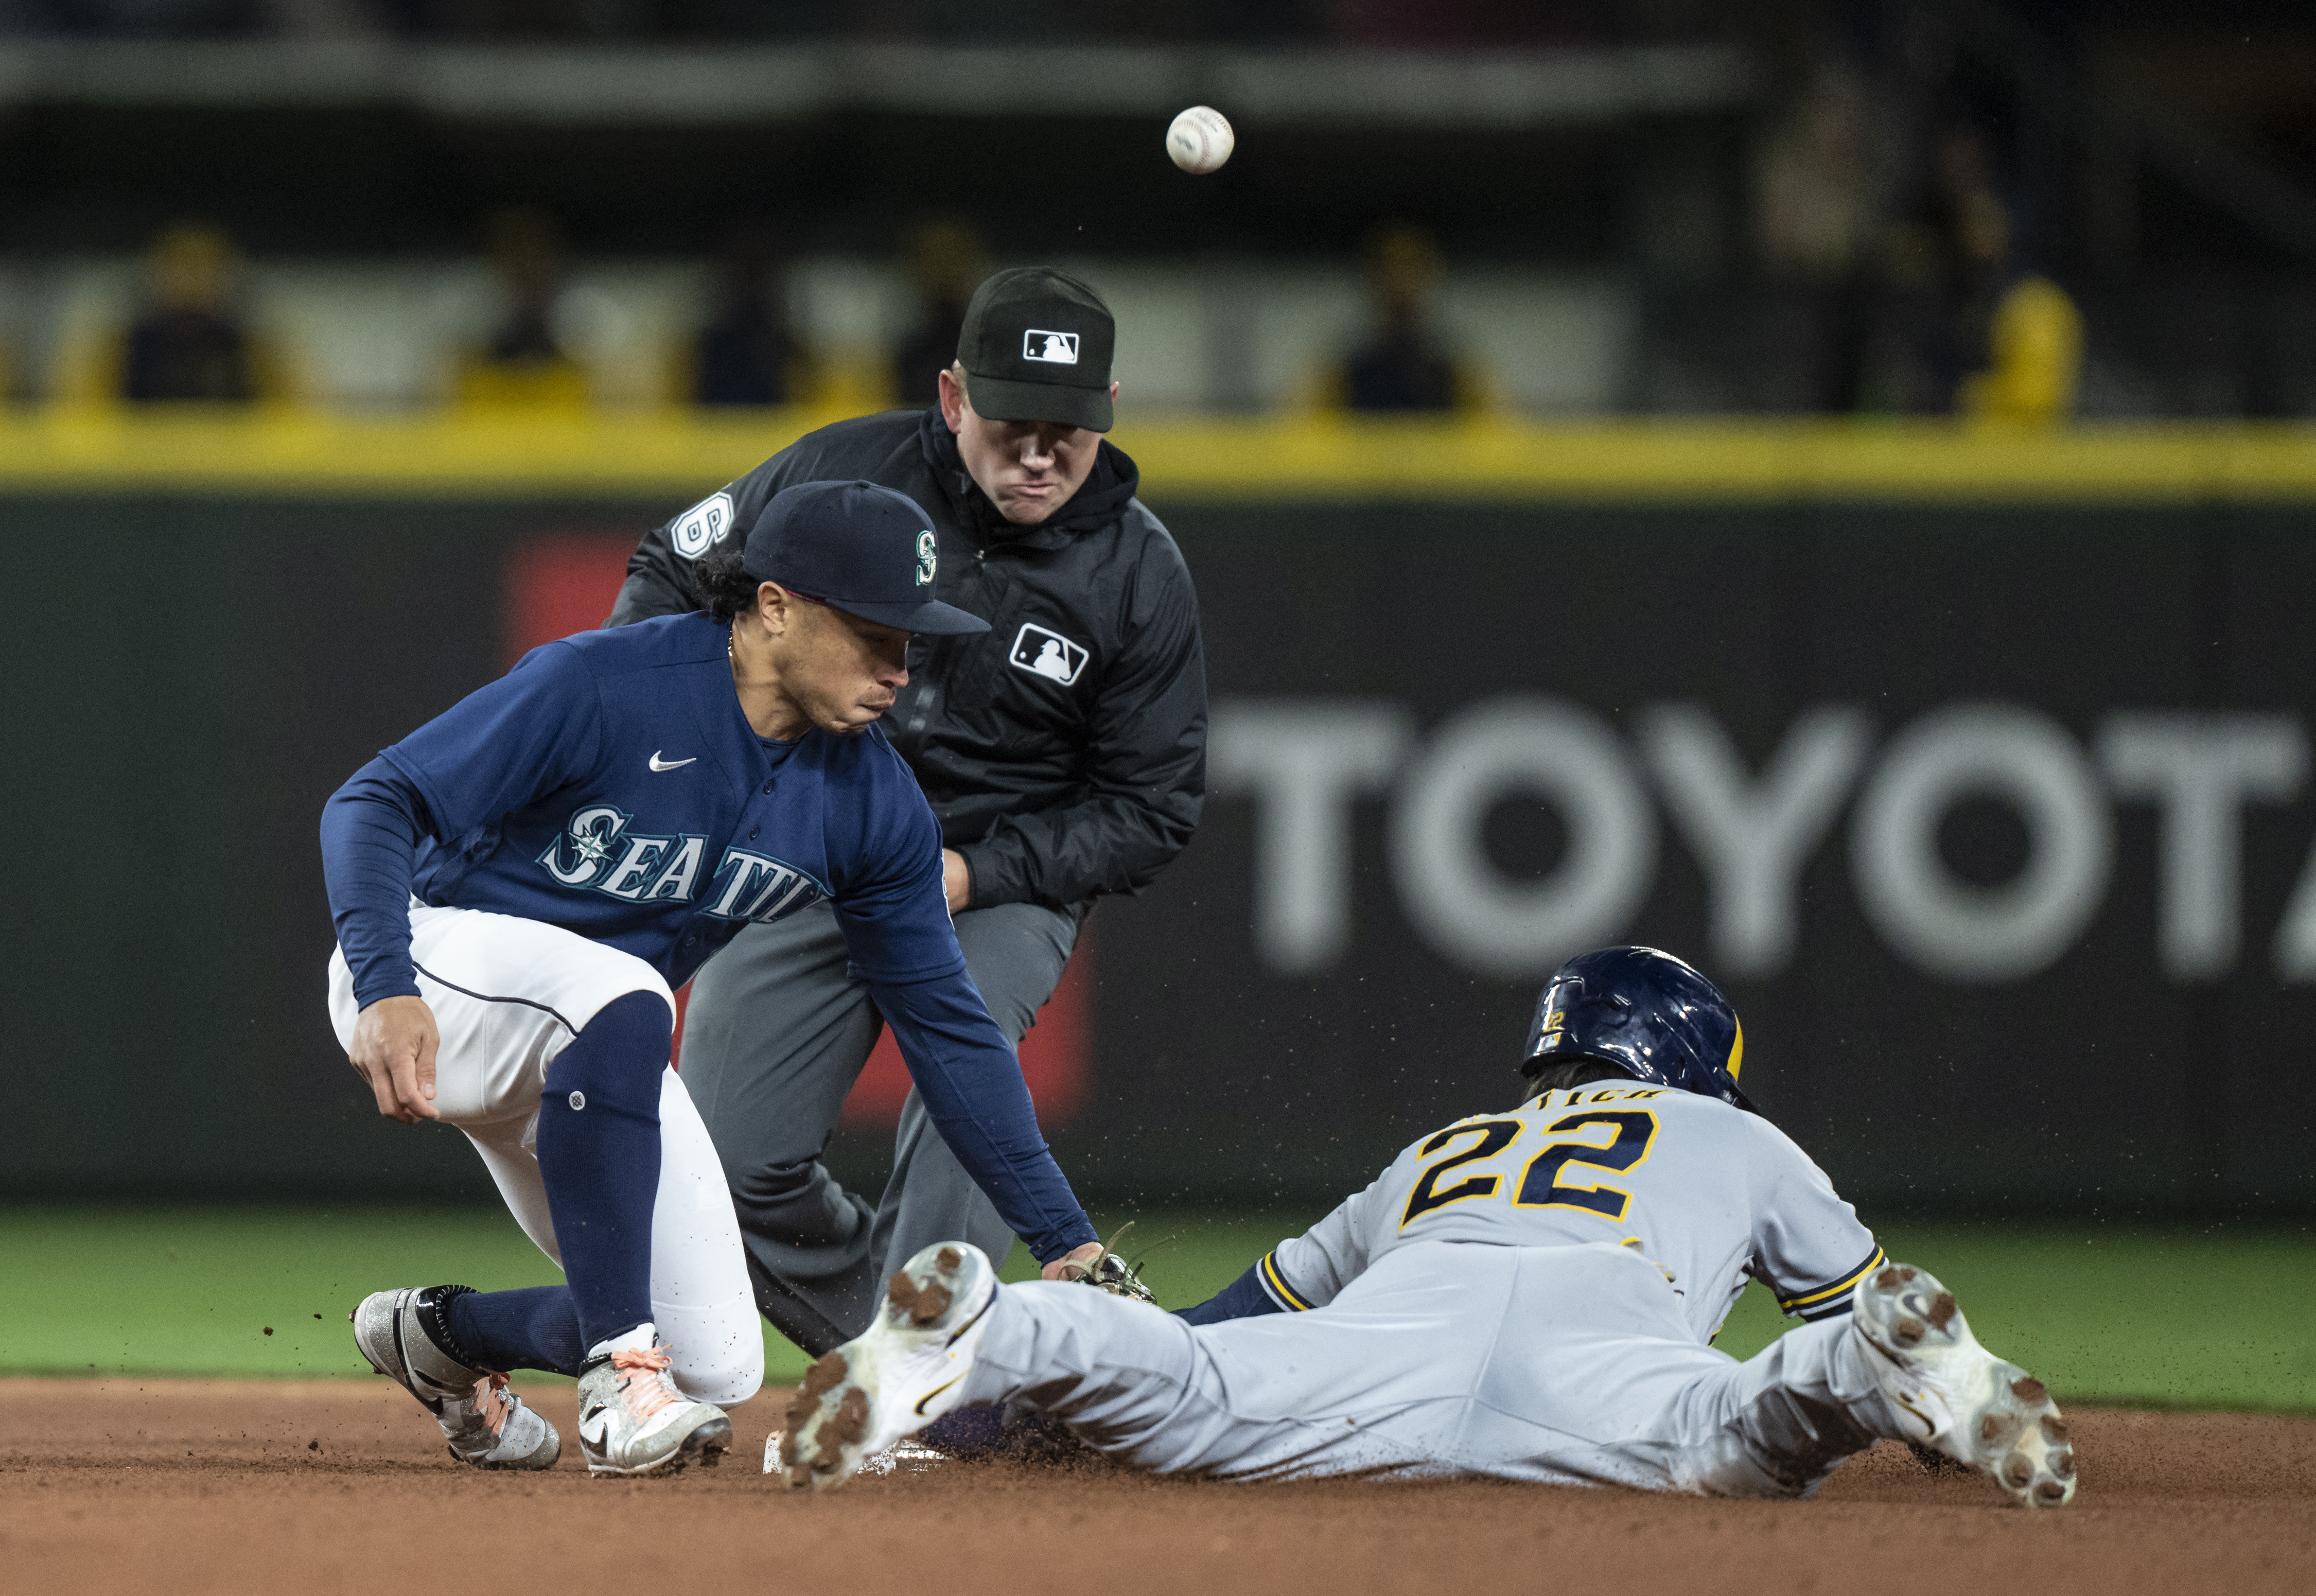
[
  {"x": 1564, "y": 1365},
  {"x": 774, "y": 1035}
]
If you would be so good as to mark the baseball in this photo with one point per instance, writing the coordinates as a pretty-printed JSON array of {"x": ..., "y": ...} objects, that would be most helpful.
[{"x": 1200, "y": 140}]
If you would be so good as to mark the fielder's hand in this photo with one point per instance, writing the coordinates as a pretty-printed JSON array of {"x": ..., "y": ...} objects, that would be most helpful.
[
  {"x": 394, "y": 1051},
  {"x": 1100, "y": 1265},
  {"x": 1074, "y": 1265}
]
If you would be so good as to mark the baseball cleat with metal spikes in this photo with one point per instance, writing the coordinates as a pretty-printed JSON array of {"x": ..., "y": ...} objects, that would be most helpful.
[
  {"x": 905, "y": 1370},
  {"x": 1956, "y": 1398},
  {"x": 402, "y": 1335}
]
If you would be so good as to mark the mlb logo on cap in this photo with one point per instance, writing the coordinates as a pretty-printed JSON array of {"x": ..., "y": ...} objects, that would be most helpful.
[{"x": 1024, "y": 368}]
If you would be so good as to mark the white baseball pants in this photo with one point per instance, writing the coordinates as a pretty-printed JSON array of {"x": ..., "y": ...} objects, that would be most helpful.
[
  {"x": 508, "y": 995},
  {"x": 1565, "y": 1365}
]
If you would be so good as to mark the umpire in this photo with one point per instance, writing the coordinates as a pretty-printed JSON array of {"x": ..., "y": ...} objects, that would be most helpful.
[{"x": 1064, "y": 751}]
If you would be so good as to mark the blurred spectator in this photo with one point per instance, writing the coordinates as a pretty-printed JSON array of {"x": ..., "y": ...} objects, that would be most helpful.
[
  {"x": 524, "y": 364},
  {"x": 2037, "y": 350},
  {"x": 1403, "y": 366},
  {"x": 2023, "y": 326},
  {"x": 527, "y": 254},
  {"x": 745, "y": 354},
  {"x": 1965, "y": 222},
  {"x": 945, "y": 261},
  {"x": 1814, "y": 209},
  {"x": 1945, "y": 263},
  {"x": 190, "y": 343},
  {"x": 1814, "y": 222}
]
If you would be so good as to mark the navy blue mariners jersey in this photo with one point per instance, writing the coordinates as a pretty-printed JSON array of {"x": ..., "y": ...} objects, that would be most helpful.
[{"x": 609, "y": 785}]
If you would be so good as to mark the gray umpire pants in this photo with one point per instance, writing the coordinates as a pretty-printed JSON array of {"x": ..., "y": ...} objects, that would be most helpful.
[{"x": 774, "y": 1035}]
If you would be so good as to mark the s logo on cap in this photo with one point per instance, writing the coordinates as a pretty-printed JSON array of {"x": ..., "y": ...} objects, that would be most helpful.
[
  {"x": 925, "y": 557},
  {"x": 1056, "y": 349}
]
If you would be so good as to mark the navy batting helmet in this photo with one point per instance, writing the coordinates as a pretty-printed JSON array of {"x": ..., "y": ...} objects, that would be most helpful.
[{"x": 1645, "y": 1012}]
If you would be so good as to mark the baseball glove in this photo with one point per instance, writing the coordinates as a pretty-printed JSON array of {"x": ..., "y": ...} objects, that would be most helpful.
[{"x": 1111, "y": 1272}]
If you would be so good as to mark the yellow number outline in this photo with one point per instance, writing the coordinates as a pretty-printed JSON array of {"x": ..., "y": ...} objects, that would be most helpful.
[
  {"x": 1565, "y": 1149},
  {"x": 1425, "y": 1197}
]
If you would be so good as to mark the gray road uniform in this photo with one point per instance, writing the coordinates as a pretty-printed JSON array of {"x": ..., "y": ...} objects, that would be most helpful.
[
  {"x": 1063, "y": 752},
  {"x": 1529, "y": 1294}
]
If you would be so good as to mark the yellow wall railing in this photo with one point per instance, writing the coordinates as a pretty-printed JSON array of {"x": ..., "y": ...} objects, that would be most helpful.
[{"x": 673, "y": 453}]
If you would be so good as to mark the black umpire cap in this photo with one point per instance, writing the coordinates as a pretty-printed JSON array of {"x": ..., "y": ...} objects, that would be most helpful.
[
  {"x": 1038, "y": 344},
  {"x": 858, "y": 547}
]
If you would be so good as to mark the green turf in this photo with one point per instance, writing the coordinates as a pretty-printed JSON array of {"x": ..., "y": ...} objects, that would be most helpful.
[{"x": 2191, "y": 1318}]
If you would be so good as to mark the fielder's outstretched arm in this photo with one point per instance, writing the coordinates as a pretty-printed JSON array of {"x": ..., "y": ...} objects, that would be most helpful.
[{"x": 972, "y": 1086}]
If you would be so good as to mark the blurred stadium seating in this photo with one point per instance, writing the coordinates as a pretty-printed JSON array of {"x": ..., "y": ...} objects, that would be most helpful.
[{"x": 1639, "y": 205}]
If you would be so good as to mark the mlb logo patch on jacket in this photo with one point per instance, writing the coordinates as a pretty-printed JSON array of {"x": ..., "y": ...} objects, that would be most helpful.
[{"x": 1049, "y": 655}]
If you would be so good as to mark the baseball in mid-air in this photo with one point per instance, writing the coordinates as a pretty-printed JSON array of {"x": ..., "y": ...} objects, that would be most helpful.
[{"x": 1200, "y": 140}]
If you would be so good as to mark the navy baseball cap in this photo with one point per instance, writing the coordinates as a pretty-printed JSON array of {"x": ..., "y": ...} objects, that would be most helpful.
[
  {"x": 858, "y": 547},
  {"x": 1036, "y": 344}
]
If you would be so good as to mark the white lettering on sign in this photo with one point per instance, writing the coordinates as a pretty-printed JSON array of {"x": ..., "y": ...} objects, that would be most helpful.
[
  {"x": 1305, "y": 764},
  {"x": 1459, "y": 902}
]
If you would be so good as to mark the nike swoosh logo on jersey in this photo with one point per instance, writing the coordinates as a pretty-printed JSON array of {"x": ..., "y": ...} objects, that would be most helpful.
[{"x": 673, "y": 765}]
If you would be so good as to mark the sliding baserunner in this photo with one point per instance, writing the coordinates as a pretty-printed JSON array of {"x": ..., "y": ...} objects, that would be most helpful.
[{"x": 1530, "y": 1295}]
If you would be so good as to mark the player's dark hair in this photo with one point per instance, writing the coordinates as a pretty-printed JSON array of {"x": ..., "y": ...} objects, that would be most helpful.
[
  {"x": 725, "y": 590},
  {"x": 1567, "y": 1073}
]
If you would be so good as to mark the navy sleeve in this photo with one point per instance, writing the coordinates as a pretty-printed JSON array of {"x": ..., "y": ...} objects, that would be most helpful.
[
  {"x": 1243, "y": 1298},
  {"x": 972, "y": 1089},
  {"x": 884, "y": 868},
  {"x": 371, "y": 831}
]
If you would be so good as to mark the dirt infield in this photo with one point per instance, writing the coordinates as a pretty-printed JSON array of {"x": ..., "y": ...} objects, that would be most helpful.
[{"x": 340, "y": 1485}]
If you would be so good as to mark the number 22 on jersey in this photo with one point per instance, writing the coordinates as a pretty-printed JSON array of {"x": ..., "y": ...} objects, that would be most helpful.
[{"x": 1612, "y": 1140}]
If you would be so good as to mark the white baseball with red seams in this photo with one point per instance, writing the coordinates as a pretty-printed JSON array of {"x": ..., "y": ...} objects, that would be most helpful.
[{"x": 1200, "y": 140}]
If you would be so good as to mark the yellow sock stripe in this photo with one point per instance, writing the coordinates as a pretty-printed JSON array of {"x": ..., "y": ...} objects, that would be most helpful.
[
  {"x": 1795, "y": 1304},
  {"x": 1278, "y": 1284}
]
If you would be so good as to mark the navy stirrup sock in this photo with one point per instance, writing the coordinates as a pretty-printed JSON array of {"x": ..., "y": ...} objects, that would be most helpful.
[
  {"x": 599, "y": 1158},
  {"x": 534, "y": 1328},
  {"x": 600, "y": 1164}
]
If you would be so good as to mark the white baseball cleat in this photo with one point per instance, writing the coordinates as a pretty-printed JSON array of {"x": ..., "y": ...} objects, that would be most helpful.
[
  {"x": 632, "y": 1419},
  {"x": 487, "y": 1425},
  {"x": 1955, "y": 1397},
  {"x": 902, "y": 1372}
]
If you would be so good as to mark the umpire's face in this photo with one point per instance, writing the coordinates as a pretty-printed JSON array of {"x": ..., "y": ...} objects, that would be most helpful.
[{"x": 1028, "y": 468}]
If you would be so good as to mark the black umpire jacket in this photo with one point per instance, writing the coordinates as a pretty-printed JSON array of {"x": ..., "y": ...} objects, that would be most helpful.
[{"x": 1063, "y": 750}]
